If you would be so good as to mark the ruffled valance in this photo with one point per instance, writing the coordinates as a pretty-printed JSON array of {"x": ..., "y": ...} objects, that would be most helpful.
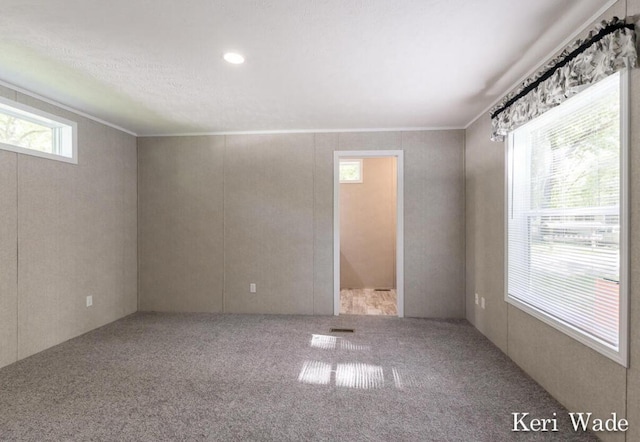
[{"x": 608, "y": 48}]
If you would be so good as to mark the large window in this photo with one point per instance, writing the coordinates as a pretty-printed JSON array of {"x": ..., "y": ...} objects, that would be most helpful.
[
  {"x": 33, "y": 132},
  {"x": 566, "y": 217}
]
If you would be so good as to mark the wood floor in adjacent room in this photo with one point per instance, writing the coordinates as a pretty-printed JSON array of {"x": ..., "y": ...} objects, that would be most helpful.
[{"x": 368, "y": 302}]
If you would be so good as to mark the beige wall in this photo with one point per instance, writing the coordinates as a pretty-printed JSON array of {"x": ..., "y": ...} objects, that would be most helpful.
[
  {"x": 66, "y": 231},
  {"x": 277, "y": 228},
  {"x": 368, "y": 227},
  {"x": 268, "y": 212},
  {"x": 8, "y": 252},
  {"x": 180, "y": 223},
  {"x": 580, "y": 378},
  {"x": 633, "y": 374}
]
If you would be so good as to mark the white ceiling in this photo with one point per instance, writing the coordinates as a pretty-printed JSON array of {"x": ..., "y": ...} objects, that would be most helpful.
[{"x": 155, "y": 66}]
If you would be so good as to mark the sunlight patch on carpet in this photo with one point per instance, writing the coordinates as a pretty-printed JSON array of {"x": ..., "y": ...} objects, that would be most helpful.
[
  {"x": 315, "y": 372},
  {"x": 357, "y": 375}
]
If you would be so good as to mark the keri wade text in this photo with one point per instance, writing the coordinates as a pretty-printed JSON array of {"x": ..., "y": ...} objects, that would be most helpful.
[{"x": 579, "y": 422}]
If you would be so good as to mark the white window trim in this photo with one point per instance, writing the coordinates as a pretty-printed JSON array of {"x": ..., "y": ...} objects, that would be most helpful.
[
  {"x": 622, "y": 355},
  {"x": 50, "y": 156},
  {"x": 354, "y": 160}
]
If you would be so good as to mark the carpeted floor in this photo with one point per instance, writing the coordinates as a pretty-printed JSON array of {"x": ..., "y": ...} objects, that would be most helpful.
[{"x": 153, "y": 377}]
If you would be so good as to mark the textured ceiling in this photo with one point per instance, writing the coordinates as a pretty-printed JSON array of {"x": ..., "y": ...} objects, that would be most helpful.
[{"x": 155, "y": 66}]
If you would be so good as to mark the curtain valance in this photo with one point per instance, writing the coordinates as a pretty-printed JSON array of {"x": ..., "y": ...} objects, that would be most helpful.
[{"x": 608, "y": 48}]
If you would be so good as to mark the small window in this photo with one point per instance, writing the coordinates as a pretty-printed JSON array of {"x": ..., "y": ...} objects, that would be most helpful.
[
  {"x": 351, "y": 171},
  {"x": 30, "y": 131},
  {"x": 567, "y": 219}
]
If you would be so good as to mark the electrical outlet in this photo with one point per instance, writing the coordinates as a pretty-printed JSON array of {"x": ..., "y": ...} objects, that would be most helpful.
[
  {"x": 89, "y": 301},
  {"x": 252, "y": 287},
  {"x": 483, "y": 303},
  {"x": 477, "y": 299}
]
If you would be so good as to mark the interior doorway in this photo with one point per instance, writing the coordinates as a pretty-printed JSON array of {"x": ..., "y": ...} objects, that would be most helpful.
[{"x": 368, "y": 232}]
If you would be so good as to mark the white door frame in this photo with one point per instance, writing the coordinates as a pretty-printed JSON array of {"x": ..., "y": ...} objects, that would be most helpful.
[{"x": 399, "y": 154}]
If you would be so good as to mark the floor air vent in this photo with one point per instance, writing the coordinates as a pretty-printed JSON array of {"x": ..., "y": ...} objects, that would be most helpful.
[
  {"x": 343, "y": 330},
  {"x": 381, "y": 290}
]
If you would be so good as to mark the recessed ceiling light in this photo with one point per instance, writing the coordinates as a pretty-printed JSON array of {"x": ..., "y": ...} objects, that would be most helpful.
[{"x": 234, "y": 58}]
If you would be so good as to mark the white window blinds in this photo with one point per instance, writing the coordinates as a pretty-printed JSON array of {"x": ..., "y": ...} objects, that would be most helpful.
[{"x": 564, "y": 213}]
